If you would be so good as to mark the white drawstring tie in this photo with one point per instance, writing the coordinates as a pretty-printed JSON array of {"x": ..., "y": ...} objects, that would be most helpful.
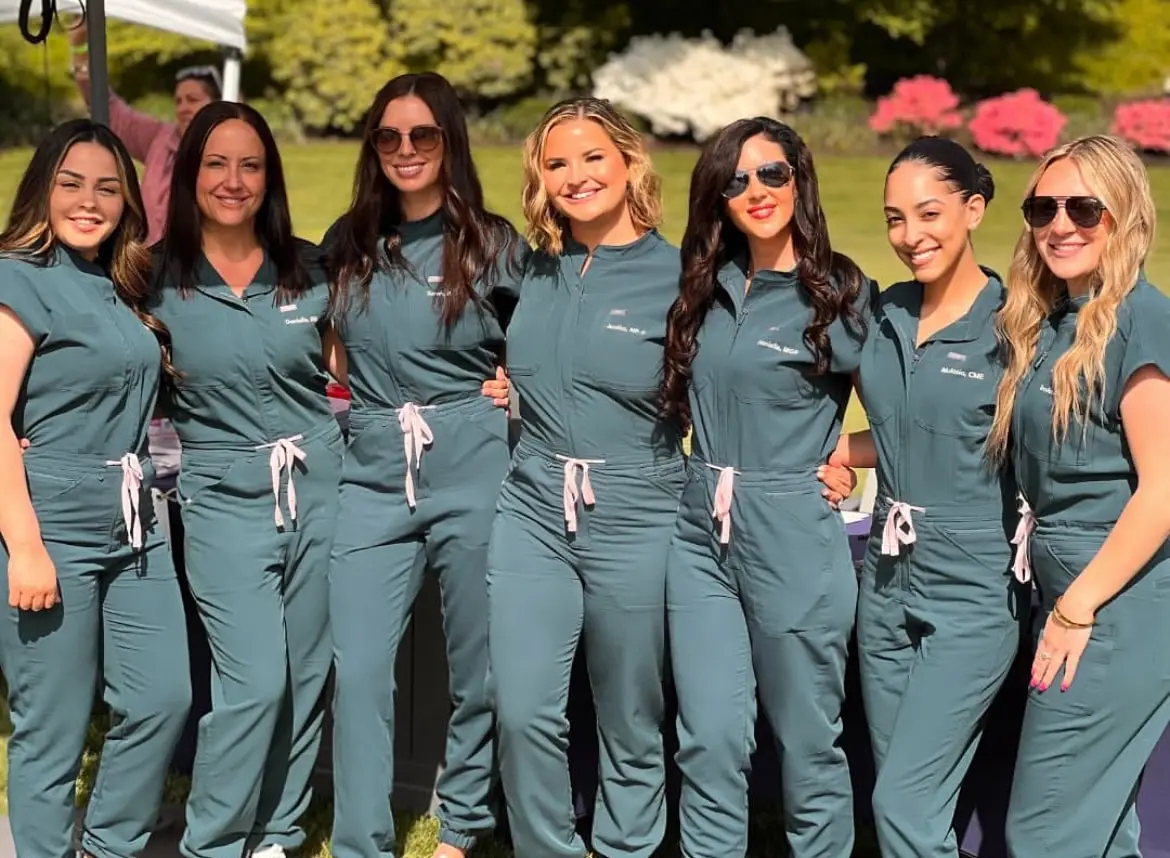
[
  {"x": 899, "y": 528},
  {"x": 569, "y": 492},
  {"x": 131, "y": 493}
]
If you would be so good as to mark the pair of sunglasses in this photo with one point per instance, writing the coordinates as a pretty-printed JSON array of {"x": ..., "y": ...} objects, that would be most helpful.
[
  {"x": 775, "y": 174},
  {"x": 423, "y": 138},
  {"x": 1085, "y": 212},
  {"x": 199, "y": 73}
]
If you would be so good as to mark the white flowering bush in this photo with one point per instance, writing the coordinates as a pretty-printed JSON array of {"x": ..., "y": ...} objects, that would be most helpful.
[{"x": 696, "y": 86}]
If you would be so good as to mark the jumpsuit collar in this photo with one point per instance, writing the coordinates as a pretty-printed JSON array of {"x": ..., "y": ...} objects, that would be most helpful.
[
  {"x": 575, "y": 253},
  {"x": 637, "y": 248},
  {"x": 67, "y": 257},
  {"x": 1067, "y": 304},
  {"x": 971, "y": 325},
  {"x": 732, "y": 279},
  {"x": 208, "y": 280},
  {"x": 967, "y": 328},
  {"x": 95, "y": 275},
  {"x": 430, "y": 226}
]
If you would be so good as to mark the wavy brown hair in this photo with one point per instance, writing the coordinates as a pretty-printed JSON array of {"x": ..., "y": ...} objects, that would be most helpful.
[
  {"x": 179, "y": 252},
  {"x": 831, "y": 280},
  {"x": 474, "y": 239},
  {"x": 1117, "y": 177},
  {"x": 546, "y": 225},
  {"x": 123, "y": 255}
]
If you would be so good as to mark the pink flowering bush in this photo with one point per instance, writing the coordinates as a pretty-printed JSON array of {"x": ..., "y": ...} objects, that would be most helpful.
[
  {"x": 1144, "y": 124},
  {"x": 1017, "y": 124},
  {"x": 920, "y": 105}
]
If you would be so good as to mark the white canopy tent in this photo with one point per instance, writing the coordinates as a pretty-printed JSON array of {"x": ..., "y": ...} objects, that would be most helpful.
[{"x": 218, "y": 21}]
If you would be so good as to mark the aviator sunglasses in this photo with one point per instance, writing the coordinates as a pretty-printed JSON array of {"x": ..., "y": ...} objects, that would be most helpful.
[
  {"x": 424, "y": 138},
  {"x": 775, "y": 174},
  {"x": 1085, "y": 212}
]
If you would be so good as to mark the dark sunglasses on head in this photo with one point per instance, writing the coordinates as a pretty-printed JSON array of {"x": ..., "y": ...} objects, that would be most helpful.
[
  {"x": 1085, "y": 212},
  {"x": 424, "y": 138},
  {"x": 775, "y": 174}
]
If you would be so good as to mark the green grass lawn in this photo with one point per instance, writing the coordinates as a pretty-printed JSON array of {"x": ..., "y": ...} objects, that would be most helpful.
[{"x": 320, "y": 176}]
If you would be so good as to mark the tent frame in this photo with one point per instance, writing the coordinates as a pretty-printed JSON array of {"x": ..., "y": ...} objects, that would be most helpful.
[{"x": 99, "y": 69}]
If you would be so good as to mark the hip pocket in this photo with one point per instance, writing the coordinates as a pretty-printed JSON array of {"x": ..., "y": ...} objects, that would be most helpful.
[{"x": 195, "y": 480}]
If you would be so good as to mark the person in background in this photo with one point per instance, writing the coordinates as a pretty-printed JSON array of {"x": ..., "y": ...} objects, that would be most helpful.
[
  {"x": 149, "y": 140},
  {"x": 938, "y": 598},
  {"x": 579, "y": 540},
  {"x": 1085, "y": 402},
  {"x": 424, "y": 279},
  {"x": 91, "y": 591},
  {"x": 761, "y": 347},
  {"x": 245, "y": 303}
]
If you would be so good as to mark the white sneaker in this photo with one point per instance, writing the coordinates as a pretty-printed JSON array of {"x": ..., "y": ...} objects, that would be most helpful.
[{"x": 272, "y": 850}]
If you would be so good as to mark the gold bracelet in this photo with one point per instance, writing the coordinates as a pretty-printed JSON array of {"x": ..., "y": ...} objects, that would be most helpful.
[{"x": 1061, "y": 619}]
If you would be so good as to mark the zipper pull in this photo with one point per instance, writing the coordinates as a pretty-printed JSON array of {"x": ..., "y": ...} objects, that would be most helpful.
[{"x": 1039, "y": 359}]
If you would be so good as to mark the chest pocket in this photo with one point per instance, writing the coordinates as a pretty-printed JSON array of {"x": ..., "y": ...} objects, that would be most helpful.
[
  {"x": 84, "y": 351},
  {"x": 534, "y": 327},
  {"x": 623, "y": 348},
  {"x": 292, "y": 335},
  {"x": 772, "y": 365},
  {"x": 880, "y": 375},
  {"x": 428, "y": 332},
  {"x": 1035, "y": 425},
  {"x": 206, "y": 342},
  {"x": 954, "y": 391}
]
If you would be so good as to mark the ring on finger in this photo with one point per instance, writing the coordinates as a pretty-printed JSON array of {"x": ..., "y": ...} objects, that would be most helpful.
[{"x": 1044, "y": 656}]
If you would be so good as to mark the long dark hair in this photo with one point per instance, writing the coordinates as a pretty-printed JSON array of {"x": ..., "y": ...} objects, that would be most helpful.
[
  {"x": 124, "y": 256},
  {"x": 473, "y": 238},
  {"x": 831, "y": 280},
  {"x": 179, "y": 251}
]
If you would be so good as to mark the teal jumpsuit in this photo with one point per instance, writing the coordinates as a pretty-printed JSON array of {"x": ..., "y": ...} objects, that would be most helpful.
[
  {"x": 427, "y": 452},
  {"x": 938, "y": 618},
  {"x": 1082, "y": 751},
  {"x": 579, "y": 544},
  {"x": 88, "y": 398},
  {"x": 261, "y": 460},
  {"x": 761, "y": 589}
]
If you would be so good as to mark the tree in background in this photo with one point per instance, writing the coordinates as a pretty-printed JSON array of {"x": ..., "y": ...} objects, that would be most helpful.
[{"x": 320, "y": 60}]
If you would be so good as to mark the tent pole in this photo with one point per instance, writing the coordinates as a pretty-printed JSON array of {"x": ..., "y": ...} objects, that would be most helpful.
[
  {"x": 232, "y": 58},
  {"x": 99, "y": 73}
]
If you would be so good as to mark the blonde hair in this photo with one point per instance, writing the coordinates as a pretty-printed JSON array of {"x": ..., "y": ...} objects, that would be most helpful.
[
  {"x": 1118, "y": 178},
  {"x": 545, "y": 225}
]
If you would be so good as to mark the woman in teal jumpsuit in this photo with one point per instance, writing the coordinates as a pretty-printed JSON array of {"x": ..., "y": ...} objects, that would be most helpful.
[
  {"x": 425, "y": 279},
  {"x": 92, "y": 591},
  {"x": 760, "y": 351},
  {"x": 939, "y": 610},
  {"x": 261, "y": 459},
  {"x": 578, "y": 547},
  {"x": 1086, "y": 400}
]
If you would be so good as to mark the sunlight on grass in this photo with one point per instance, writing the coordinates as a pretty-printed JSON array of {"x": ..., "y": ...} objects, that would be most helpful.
[{"x": 320, "y": 179}]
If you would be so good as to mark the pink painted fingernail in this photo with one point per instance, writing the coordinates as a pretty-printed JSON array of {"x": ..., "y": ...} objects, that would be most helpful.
[
  {"x": 1043, "y": 688},
  {"x": 1063, "y": 687}
]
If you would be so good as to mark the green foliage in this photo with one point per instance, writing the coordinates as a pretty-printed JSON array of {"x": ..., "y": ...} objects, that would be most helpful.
[
  {"x": 484, "y": 47},
  {"x": 1138, "y": 61},
  {"x": 36, "y": 90},
  {"x": 983, "y": 49},
  {"x": 330, "y": 57},
  {"x": 575, "y": 37},
  {"x": 281, "y": 118},
  {"x": 836, "y": 125}
]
